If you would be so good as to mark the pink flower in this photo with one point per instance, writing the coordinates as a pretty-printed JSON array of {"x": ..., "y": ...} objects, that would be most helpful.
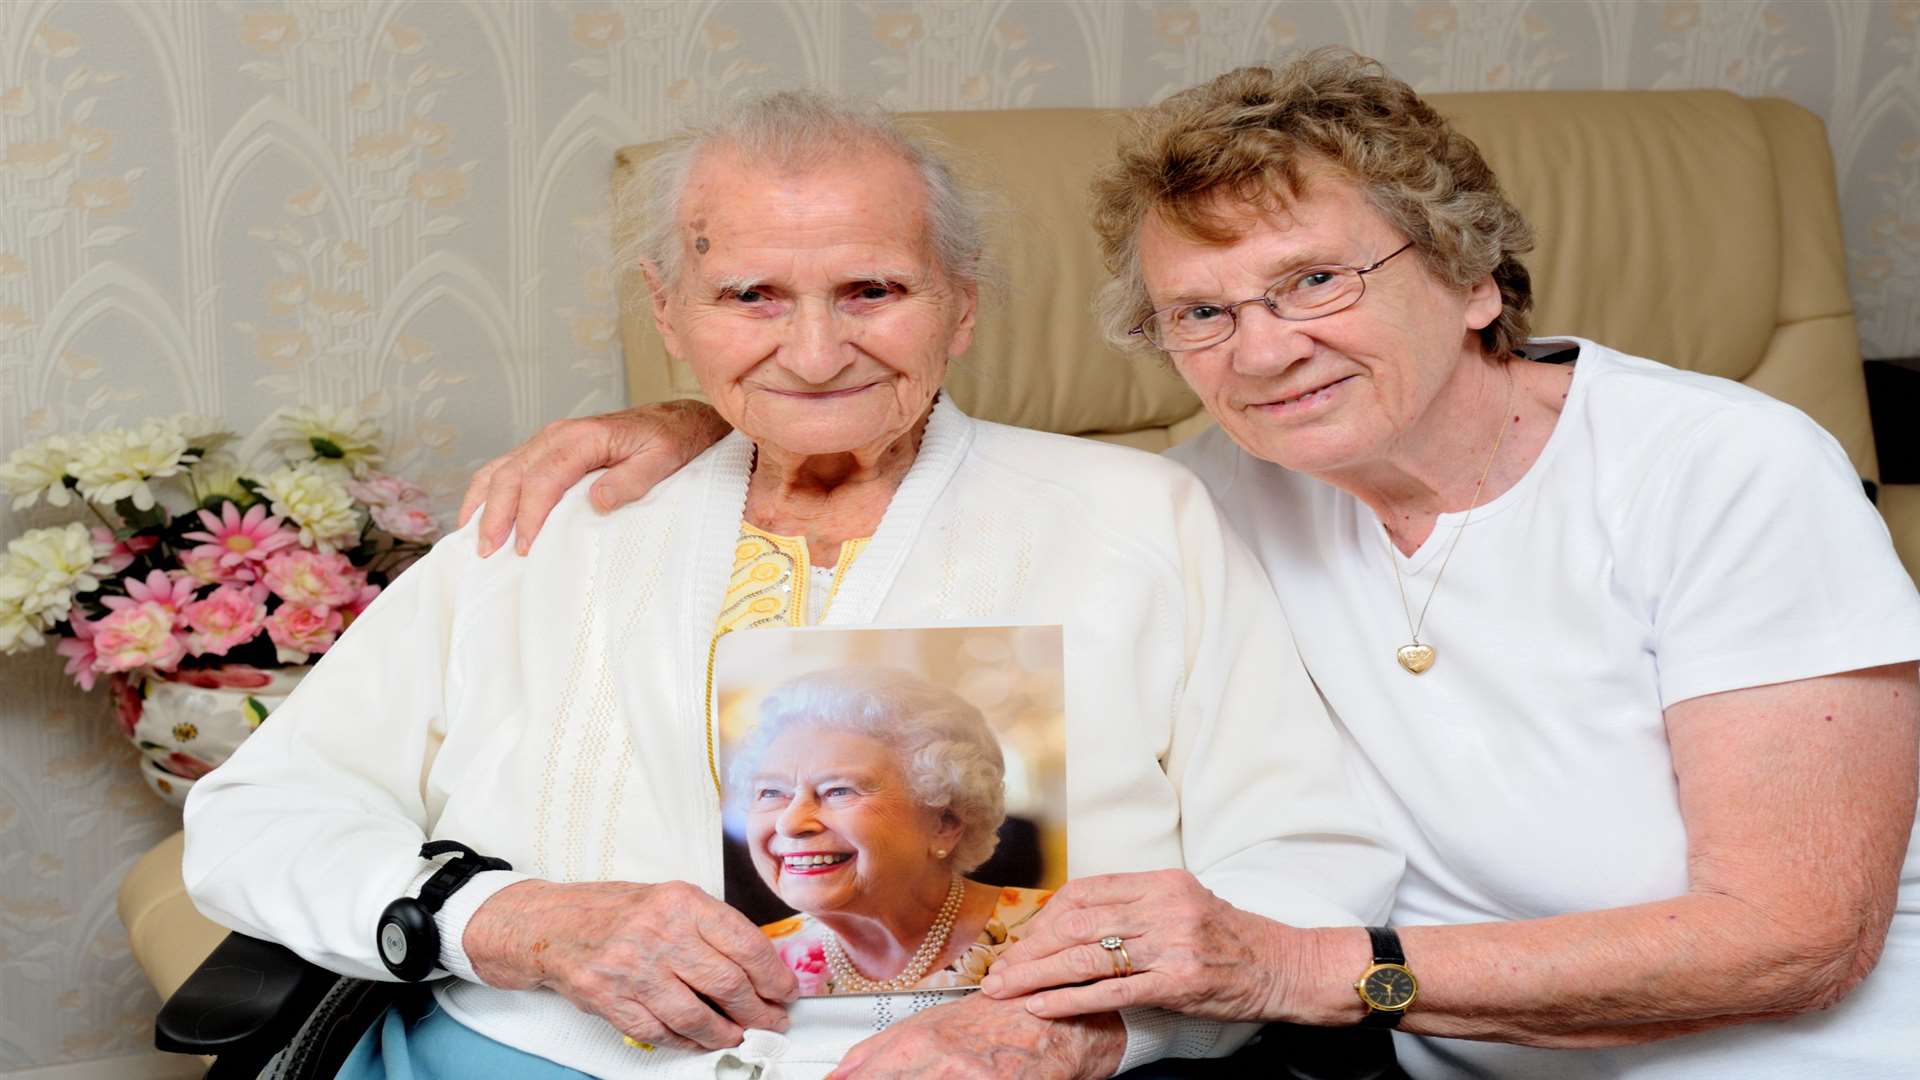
[
  {"x": 202, "y": 564},
  {"x": 171, "y": 593},
  {"x": 312, "y": 578},
  {"x": 809, "y": 963},
  {"x": 379, "y": 489},
  {"x": 135, "y": 636},
  {"x": 229, "y": 616},
  {"x": 300, "y": 630},
  {"x": 359, "y": 603},
  {"x": 121, "y": 553},
  {"x": 408, "y": 523},
  {"x": 241, "y": 540},
  {"x": 78, "y": 649}
]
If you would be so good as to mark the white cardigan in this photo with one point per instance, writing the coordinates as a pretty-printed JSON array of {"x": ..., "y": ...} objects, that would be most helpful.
[{"x": 550, "y": 710}]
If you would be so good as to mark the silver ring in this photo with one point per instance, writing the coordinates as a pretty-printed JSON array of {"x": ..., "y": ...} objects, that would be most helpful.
[{"x": 1117, "y": 952}]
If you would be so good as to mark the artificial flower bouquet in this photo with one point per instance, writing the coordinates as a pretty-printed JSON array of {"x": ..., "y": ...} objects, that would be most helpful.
[{"x": 194, "y": 569}]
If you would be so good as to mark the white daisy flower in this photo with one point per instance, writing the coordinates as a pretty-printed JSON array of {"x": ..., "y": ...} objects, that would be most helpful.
[
  {"x": 203, "y": 433},
  {"x": 341, "y": 437},
  {"x": 114, "y": 465},
  {"x": 311, "y": 496},
  {"x": 45, "y": 568},
  {"x": 18, "y": 631},
  {"x": 40, "y": 468},
  {"x": 218, "y": 475}
]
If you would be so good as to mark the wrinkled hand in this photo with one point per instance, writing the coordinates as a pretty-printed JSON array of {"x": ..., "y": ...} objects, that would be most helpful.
[
  {"x": 666, "y": 964},
  {"x": 1192, "y": 952},
  {"x": 979, "y": 1037},
  {"x": 639, "y": 448}
]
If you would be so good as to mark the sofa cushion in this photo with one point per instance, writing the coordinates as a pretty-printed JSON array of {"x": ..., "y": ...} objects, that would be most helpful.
[
  {"x": 1655, "y": 213},
  {"x": 1695, "y": 227}
]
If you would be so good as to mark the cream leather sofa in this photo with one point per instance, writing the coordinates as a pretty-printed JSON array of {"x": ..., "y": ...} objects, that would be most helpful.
[{"x": 1697, "y": 227}]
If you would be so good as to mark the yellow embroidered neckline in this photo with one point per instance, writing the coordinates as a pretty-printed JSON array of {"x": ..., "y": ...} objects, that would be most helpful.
[{"x": 772, "y": 577}]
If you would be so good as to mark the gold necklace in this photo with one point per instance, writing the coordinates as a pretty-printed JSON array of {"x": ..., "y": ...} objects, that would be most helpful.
[
  {"x": 1417, "y": 656},
  {"x": 846, "y": 979}
]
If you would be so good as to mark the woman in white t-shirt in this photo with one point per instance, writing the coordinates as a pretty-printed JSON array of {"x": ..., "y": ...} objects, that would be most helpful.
[{"x": 1626, "y": 654}]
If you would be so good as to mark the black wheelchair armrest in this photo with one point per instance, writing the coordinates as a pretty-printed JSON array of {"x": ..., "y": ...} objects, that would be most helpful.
[{"x": 245, "y": 1001}]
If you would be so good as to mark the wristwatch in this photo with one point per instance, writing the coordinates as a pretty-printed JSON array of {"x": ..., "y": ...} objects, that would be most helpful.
[
  {"x": 407, "y": 939},
  {"x": 1387, "y": 987}
]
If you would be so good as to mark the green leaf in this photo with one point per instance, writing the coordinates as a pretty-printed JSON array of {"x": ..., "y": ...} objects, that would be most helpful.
[
  {"x": 255, "y": 711},
  {"x": 326, "y": 448},
  {"x": 136, "y": 518}
]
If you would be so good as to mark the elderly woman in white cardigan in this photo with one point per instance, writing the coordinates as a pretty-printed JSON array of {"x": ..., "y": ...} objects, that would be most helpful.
[{"x": 817, "y": 269}]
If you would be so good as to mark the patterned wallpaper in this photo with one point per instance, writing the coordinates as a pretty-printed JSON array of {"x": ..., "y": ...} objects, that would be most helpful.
[{"x": 227, "y": 207}]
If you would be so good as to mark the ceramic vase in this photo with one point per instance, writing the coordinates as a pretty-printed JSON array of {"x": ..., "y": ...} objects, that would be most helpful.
[{"x": 187, "y": 722}]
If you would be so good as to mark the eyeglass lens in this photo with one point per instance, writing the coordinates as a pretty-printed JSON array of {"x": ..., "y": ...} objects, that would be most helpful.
[{"x": 1308, "y": 294}]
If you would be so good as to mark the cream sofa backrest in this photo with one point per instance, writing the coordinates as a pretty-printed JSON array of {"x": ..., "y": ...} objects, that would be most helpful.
[{"x": 1695, "y": 227}]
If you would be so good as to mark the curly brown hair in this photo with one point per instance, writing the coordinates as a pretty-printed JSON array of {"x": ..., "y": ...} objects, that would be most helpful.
[{"x": 1252, "y": 137}]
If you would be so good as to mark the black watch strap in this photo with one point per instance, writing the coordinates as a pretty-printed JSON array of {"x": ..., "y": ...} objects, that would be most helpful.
[
  {"x": 1386, "y": 945},
  {"x": 1382, "y": 1018},
  {"x": 1386, "y": 950}
]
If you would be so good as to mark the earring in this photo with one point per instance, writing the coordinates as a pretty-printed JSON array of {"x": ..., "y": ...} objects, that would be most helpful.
[{"x": 939, "y": 853}]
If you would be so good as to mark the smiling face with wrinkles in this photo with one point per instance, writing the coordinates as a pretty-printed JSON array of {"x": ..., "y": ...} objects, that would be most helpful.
[
  {"x": 810, "y": 303},
  {"x": 1329, "y": 396}
]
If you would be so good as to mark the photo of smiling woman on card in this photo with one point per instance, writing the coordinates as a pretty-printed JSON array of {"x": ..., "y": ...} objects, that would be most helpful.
[{"x": 870, "y": 794}]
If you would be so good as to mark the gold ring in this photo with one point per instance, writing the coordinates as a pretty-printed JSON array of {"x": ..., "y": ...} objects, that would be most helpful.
[{"x": 1117, "y": 952}]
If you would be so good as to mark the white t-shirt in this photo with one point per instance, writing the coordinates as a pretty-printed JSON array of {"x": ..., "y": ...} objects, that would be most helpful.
[{"x": 1679, "y": 535}]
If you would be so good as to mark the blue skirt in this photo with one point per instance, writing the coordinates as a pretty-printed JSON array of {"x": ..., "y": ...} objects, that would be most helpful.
[{"x": 417, "y": 1040}]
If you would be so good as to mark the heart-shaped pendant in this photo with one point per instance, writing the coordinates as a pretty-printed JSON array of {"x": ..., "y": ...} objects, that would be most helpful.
[{"x": 1416, "y": 657}]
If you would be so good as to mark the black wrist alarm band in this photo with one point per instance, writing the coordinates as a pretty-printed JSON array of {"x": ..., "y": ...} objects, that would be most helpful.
[{"x": 407, "y": 939}]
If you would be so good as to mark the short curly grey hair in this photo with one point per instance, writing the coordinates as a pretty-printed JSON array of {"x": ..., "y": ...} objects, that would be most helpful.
[{"x": 943, "y": 745}]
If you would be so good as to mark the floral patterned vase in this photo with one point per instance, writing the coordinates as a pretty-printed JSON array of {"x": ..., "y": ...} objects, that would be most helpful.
[{"x": 187, "y": 722}]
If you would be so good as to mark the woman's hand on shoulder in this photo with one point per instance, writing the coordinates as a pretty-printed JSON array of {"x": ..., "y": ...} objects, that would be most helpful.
[
  {"x": 638, "y": 447},
  {"x": 978, "y": 1036},
  {"x": 1189, "y": 951},
  {"x": 666, "y": 964}
]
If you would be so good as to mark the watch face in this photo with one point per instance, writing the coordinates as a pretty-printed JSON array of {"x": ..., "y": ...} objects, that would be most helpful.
[{"x": 1388, "y": 986}]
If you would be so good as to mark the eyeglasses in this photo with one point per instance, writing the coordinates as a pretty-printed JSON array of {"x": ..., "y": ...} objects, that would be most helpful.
[{"x": 1306, "y": 294}]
